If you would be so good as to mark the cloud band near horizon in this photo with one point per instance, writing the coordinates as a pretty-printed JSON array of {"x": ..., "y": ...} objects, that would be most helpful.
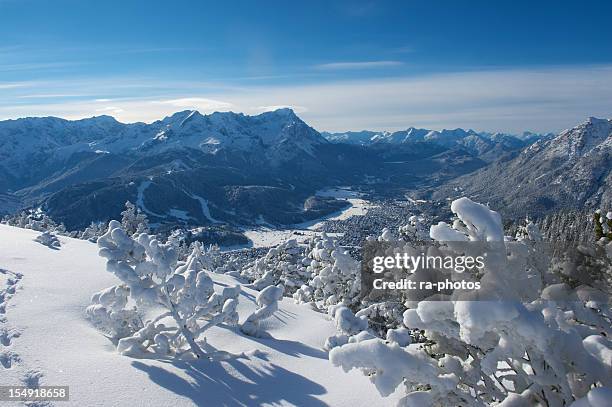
[{"x": 543, "y": 100}]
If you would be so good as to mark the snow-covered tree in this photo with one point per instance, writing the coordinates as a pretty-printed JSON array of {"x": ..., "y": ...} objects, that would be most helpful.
[
  {"x": 567, "y": 226},
  {"x": 336, "y": 276},
  {"x": 35, "y": 219},
  {"x": 183, "y": 241},
  {"x": 48, "y": 239},
  {"x": 386, "y": 235},
  {"x": 110, "y": 313},
  {"x": 133, "y": 220},
  {"x": 547, "y": 347},
  {"x": 154, "y": 280},
  {"x": 93, "y": 231},
  {"x": 284, "y": 264},
  {"x": 529, "y": 231},
  {"x": 383, "y": 315},
  {"x": 597, "y": 397},
  {"x": 603, "y": 226},
  {"x": 347, "y": 325},
  {"x": 212, "y": 258},
  {"x": 267, "y": 305},
  {"x": 416, "y": 230}
]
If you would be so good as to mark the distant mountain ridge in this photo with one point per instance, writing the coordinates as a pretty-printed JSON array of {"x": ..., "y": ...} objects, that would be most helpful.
[
  {"x": 485, "y": 145},
  {"x": 413, "y": 134},
  {"x": 571, "y": 170}
]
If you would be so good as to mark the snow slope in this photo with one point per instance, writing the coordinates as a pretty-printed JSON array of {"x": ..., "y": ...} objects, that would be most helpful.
[{"x": 45, "y": 339}]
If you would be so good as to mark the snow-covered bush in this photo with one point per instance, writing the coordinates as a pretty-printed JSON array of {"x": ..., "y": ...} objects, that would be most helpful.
[
  {"x": 133, "y": 220},
  {"x": 179, "y": 239},
  {"x": 416, "y": 230},
  {"x": 347, "y": 325},
  {"x": 603, "y": 226},
  {"x": 284, "y": 264},
  {"x": 228, "y": 262},
  {"x": 382, "y": 311},
  {"x": 305, "y": 295},
  {"x": 597, "y": 397},
  {"x": 386, "y": 235},
  {"x": 35, "y": 219},
  {"x": 267, "y": 305},
  {"x": 336, "y": 277},
  {"x": 383, "y": 315},
  {"x": 153, "y": 280},
  {"x": 110, "y": 313},
  {"x": 93, "y": 231},
  {"x": 550, "y": 348},
  {"x": 529, "y": 231},
  {"x": 48, "y": 239},
  {"x": 390, "y": 365}
]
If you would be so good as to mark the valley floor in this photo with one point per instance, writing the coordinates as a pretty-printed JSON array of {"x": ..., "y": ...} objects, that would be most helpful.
[
  {"x": 268, "y": 237},
  {"x": 46, "y": 340}
]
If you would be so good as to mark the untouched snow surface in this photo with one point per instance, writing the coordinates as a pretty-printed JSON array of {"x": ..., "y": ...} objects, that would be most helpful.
[{"x": 45, "y": 339}]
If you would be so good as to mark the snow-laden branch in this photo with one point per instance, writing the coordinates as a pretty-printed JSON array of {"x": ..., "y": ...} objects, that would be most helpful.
[
  {"x": 267, "y": 305},
  {"x": 153, "y": 278},
  {"x": 537, "y": 352}
]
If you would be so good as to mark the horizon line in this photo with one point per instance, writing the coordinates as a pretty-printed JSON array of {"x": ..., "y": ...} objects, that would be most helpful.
[{"x": 280, "y": 108}]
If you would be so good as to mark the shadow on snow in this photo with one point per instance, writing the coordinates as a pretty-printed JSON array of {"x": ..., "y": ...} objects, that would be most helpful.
[{"x": 233, "y": 382}]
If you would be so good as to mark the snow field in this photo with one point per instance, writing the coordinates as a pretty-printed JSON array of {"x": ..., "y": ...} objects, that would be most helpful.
[{"x": 45, "y": 329}]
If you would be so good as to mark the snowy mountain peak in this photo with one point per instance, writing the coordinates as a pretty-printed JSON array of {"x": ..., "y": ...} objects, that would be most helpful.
[
  {"x": 278, "y": 135},
  {"x": 595, "y": 120},
  {"x": 282, "y": 112},
  {"x": 179, "y": 118},
  {"x": 582, "y": 139},
  {"x": 102, "y": 119},
  {"x": 570, "y": 170}
]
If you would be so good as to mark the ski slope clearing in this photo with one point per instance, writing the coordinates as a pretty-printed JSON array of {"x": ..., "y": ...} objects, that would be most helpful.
[{"x": 45, "y": 339}]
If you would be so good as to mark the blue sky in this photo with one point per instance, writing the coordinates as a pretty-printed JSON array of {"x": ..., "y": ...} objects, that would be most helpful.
[{"x": 342, "y": 65}]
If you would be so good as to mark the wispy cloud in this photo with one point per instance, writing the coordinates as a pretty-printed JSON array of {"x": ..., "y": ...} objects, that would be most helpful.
[
  {"x": 12, "y": 85},
  {"x": 544, "y": 99},
  {"x": 358, "y": 65},
  {"x": 110, "y": 109},
  {"x": 50, "y": 96},
  {"x": 35, "y": 66},
  {"x": 196, "y": 103},
  {"x": 296, "y": 109}
]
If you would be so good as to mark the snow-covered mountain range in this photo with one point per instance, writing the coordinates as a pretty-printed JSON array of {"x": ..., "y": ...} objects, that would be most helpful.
[
  {"x": 229, "y": 168},
  {"x": 201, "y": 169},
  {"x": 571, "y": 170},
  {"x": 487, "y": 146},
  {"x": 274, "y": 136},
  {"x": 183, "y": 162}
]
